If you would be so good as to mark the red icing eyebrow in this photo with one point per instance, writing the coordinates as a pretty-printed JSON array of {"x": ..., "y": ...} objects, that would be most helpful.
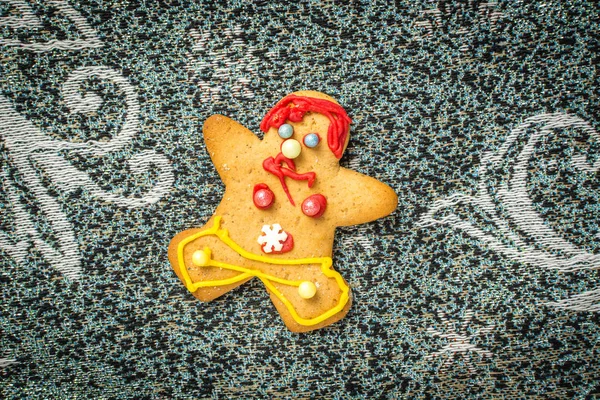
[{"x": 293, "y": 108}]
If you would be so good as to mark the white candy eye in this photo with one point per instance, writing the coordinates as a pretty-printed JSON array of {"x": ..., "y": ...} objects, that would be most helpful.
[{"x": 291, "y": 148}]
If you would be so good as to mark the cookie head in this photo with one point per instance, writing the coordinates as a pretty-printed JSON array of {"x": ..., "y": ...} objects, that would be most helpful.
[{"x": 308, "y": 127}]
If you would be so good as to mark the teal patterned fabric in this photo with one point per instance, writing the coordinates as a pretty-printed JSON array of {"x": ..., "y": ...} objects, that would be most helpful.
[{"x": 482, "y": 115}]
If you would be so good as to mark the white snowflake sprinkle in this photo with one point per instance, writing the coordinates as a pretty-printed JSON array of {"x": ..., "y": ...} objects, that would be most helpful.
[{"x": 273, "y": 238}]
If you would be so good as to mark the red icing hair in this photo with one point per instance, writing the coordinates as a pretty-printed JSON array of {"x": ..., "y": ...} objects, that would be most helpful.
[{"x": 293, "y": 107}]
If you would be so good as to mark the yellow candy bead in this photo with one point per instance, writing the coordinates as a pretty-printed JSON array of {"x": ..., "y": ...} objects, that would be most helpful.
[
  {"x": 307, "y": 290},
  {"x": 200, "y": 258},
  {"x": 291, "y": 148}
]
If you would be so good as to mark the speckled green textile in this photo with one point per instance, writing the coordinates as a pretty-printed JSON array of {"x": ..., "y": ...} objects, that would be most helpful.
[{"x": 482, "y": 115}]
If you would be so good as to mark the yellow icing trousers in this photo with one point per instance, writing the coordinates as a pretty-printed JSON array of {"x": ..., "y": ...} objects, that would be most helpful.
[{"x": 205, "y": 259}]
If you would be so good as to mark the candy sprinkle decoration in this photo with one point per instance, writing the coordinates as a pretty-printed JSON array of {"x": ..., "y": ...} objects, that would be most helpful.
[
  {"x": 314, "y": 205},
  {"x": 285, "y": 131},
  {"x": 262, "y": 196},
  {"x": 307, "y": 290},
  {"x": 291, "y": 148},
  {"x": 311, "y": 140}
]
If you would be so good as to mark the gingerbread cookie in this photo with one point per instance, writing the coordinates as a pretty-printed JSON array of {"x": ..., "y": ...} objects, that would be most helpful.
[{"x": 284, "y": 197}]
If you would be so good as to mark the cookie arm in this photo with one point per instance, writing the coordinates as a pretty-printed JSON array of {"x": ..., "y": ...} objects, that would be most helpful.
[
  {"x": 366, "y": 199},
  {"x": 228, "y": 143}
]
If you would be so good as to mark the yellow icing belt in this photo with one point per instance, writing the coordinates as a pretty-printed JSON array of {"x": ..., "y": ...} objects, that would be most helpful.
[{"x": 267, "y": 279}]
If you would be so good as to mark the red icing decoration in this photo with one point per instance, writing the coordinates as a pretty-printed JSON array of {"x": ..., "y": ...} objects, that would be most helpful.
[
  {"x": 273, "y": 165},
  {"x": 293, "y": 108},
  {"x": 314, "y": 205},
  {"x": 262, "y": 196},
  {"x": 288, "y": 245}
]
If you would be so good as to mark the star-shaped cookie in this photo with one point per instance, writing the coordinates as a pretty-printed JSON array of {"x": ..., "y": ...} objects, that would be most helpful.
[{"x": 284, "y": 197}]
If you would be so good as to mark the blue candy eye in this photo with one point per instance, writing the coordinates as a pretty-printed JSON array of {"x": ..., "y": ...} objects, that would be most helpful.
[
  {"x": 286, "y": 131},
  {"x": 311, "y": 140}
]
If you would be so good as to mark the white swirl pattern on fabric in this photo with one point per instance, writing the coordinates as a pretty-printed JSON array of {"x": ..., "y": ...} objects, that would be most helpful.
[
  {"x": 550, "y": 250},
  {"x": 29, "y": 20},
  {"x": 29, "y": 149}
]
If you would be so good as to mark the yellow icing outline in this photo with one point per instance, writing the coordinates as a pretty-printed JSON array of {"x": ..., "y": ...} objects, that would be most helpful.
[{"x": 223, "y": 235}]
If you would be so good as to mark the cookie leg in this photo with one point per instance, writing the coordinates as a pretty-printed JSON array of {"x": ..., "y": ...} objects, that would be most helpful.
[
  {"x": 294, "y": 326},
  {"x": 308, "y": 292},
  {"x": 318, "y": 297},
  {"x": 206, "y": 283}
]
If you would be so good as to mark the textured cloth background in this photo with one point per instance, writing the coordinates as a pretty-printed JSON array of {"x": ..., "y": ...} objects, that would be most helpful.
[{"x": 483, "y": 116}]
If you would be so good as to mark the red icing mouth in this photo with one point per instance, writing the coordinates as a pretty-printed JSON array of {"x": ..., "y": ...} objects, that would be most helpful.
[{"x": 288, "y": 169}]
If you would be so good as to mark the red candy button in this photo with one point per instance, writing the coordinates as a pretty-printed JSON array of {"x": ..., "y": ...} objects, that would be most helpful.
[
  {"x": 314, "y": 206},
  {"x": 262, "y": 196}
]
